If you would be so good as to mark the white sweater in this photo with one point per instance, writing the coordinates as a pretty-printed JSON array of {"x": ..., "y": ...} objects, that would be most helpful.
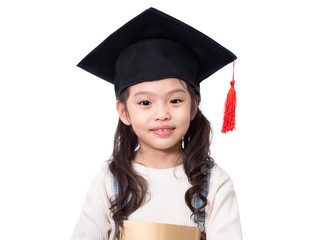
[{"x": 165, "y": 204}]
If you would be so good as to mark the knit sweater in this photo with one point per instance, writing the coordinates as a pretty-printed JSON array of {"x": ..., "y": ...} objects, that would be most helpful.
[{"x": 165, "y": 204}]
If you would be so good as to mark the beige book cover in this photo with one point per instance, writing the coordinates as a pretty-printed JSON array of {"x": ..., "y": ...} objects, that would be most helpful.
[{"x": 158, "y": 231}]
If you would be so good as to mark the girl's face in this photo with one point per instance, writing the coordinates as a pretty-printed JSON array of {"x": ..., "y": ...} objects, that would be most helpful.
[{"x": 159, "y": 112}]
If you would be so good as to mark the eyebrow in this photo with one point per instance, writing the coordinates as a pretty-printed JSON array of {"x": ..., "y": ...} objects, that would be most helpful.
[{"x": 150, "y": 93}]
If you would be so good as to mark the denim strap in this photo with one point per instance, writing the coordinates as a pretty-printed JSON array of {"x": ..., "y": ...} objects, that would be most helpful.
[
  {"x": 116, "y": 193},
  {"x": 115, "y": 187},
  {"x": 198, "y": 203}
]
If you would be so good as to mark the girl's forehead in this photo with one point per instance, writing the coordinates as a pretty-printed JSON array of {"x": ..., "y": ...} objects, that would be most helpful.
[{"x": 164, "y": 85}]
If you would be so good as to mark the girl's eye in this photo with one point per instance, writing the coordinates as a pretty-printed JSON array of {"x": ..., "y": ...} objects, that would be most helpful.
[
  {"x": 145, "y": 103},
  {"x": 174, "y": 101}
]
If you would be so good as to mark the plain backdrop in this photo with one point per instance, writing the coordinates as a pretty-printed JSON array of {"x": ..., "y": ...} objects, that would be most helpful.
[{"x": 57, "y": 121}]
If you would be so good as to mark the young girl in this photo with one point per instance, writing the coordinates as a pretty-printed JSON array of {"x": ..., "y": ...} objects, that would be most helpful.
[{"x": 160, "y": 175}]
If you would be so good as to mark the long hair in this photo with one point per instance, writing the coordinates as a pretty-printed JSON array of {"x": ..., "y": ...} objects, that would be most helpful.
[{"x": 133, "y": 187}]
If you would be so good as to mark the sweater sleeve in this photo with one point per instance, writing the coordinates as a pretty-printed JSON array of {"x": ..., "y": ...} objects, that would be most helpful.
[
  {"x": 94, "y": 222},
  {"x": 223, "y": 220}
]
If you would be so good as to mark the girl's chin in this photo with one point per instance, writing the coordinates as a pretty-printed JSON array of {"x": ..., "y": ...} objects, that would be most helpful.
[{"x": 163, "y": 146}]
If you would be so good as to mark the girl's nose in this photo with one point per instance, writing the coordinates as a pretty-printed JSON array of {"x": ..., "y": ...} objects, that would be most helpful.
[{"x": 162, "y": 114}]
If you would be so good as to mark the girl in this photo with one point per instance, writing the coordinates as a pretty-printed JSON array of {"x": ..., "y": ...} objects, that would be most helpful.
[{"x": 160, "y": 175}]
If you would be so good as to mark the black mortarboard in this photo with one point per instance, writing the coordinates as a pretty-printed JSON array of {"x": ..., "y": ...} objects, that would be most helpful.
[{"x": 154, "y": 46}]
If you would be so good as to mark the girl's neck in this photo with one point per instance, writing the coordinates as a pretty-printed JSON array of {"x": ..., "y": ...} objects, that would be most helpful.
[{"x": 158, "y": 159}]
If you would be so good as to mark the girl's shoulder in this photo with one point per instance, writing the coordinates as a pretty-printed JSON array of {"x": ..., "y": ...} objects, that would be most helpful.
[
  {"x": 219, "y": 177},
  {"x": 218, "y": 174},
  {"x": 220, "y": 185},
  {"x": 102, "y": 183}
]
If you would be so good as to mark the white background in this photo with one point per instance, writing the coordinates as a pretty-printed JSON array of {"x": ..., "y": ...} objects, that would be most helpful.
[{"x": 57, "y": 121}]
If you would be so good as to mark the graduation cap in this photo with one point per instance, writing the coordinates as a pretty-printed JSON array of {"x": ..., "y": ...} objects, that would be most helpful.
[{"x": 154, "y": 46}]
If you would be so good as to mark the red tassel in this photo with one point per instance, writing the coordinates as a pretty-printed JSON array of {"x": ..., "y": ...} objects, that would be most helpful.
[{"x": 229, "y": 119}]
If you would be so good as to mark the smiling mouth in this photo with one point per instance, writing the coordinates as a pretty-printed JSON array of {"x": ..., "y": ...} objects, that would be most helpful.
[
  {"x": 163, "y": 132},
  {"x": 163, "y": 129}
]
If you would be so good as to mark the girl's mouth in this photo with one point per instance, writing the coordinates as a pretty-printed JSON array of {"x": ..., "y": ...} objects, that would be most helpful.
[{"x": 162, "y": 131}]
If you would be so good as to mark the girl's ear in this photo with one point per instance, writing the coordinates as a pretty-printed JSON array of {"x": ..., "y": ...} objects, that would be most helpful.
[
  {"x": 194, "y": 109},
  {"x": 123, "y": 114}
]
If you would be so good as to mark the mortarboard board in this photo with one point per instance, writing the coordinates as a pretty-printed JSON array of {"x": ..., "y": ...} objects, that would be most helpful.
[{"x": 153, "y": 46}]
